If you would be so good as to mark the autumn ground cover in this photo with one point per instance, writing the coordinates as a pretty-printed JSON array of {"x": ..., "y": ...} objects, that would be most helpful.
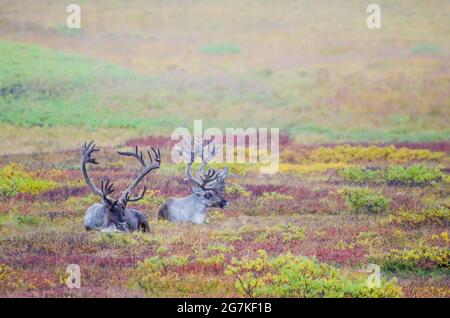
[
  {"x": 312, "y": 213},
  {"x": 364, "y": 164}
]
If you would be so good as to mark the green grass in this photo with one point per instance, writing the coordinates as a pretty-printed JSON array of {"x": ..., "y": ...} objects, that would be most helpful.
[
  {"x": 373, "y": 135},
  {"x": 425, "y": 48},
  {"x": 37, "y": 68},
  {"x": 253, "y": 69},
  {"x": 222, "y": 48},
  {"x": 45, "y": 88}
]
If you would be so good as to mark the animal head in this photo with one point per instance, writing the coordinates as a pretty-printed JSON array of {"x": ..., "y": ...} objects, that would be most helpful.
[
  {"x": 212, "y": 190},
  {"x": 116, "y": 212},
  {"x": 209, "y": 186},
  {"x": 116, "y": 207},
  {"x": 117, "y": 216}
]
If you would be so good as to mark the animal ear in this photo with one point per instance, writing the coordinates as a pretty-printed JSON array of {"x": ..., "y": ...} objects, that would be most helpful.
[
  {"x": 198, "y": 190},
  {"x": 223, "y": 173}
]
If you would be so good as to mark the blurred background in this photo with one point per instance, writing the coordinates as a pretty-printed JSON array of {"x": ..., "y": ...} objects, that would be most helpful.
[{"x": 142, "y": 68}]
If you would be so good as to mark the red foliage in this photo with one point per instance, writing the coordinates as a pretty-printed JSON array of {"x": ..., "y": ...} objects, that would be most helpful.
[
  {"x": 443, "y": 146},
  {"x": 150, "y": 141},
  {"x": 299, "y": 192},
  {"x": 406, "y": 202},
  {"x": 63, "y": 193},
  {"x": 349, "y": 256}
]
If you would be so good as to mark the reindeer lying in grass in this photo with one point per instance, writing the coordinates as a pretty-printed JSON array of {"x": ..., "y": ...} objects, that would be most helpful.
[
  {"x": 112, "y": 215},
  {"x": 208, "y": 191}
]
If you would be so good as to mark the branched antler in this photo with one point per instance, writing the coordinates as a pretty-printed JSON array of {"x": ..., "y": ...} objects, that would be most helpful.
[
  {"x": 136, "y": 154},
  {"x": 137, "y": 198},
  {"x": 106, "y": 188},
  {"x": 206, "y": 157},
  {"x": 211, "y": 178},
  {"x": 146, "y": 168}
]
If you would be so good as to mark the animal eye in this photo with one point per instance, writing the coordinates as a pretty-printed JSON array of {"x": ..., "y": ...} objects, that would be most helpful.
[{"x": 208, "y": 195}]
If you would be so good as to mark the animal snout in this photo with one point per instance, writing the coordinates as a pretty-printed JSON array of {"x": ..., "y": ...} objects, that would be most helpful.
[
  {"x": 223, "y": 204},
  {"x": 122, "y": 226}
]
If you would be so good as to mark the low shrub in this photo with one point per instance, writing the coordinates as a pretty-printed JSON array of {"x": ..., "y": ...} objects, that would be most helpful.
[
  {"x": 446, "y": 178},
  {"x": 13, "y": 280},
  {"x": 269, "y": 203},
  {"x": 287, "y": 233},
  {"x": 421, "y": 257},
  {"x": 297, "y": 276},
  {"x": 440, "y": 217},
  {"x": 443, "y": 237},
  {"x": 14, "y": 180},
  {"x": 415, "y": 175},
  {"x": 28, "y": 219},
  {"x": 215, "y": 217},
  {"x": 238, "y": 190},
  {"x": 310, "y": 168},
  {"x": 160, "y": 276},
  {"x": 361, "y": 175},
  {"x": 364, "y": 200},
  {"x": 152, "y": 197},
  {"x": 10, "y": 279},
  {"x": 221, "y": 248},
  {"x": 228, "y": 236},
  {"x": 149, "y": 276},
  {"x": 289, "y": 156},
  {"x": 275, "y": 196},
  {"x": 354, "y": 154},
  {"x": 216, "y": 260},
  {"x": 84, "y": 201},
  {"x": 121, "y": 239},
  {"x": 241, "y": 169},
  {"x": 292, "y": 233}
]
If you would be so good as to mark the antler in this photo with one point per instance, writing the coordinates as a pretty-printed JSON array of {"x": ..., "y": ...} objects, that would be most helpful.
[
  {"x": 136, "y": 154},
  {"x": 208, "y": 180},
  {"x": 205, "y": 159},
  {"x": 107, "y": 187},
  {"x": 146, "y": 168},
  {"x": 140, "y": 196},
  {"x": 189, "y": 175}
]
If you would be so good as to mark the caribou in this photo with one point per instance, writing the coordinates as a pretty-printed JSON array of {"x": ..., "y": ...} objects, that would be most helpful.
[
  {"x": 208, "y": 190},
  {"x": 113, "y": 215}
]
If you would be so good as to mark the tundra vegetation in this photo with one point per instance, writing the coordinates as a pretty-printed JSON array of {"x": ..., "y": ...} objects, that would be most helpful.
[
  {"x": 308, "y": 234},
  {"x": 365, "y": 152}
]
